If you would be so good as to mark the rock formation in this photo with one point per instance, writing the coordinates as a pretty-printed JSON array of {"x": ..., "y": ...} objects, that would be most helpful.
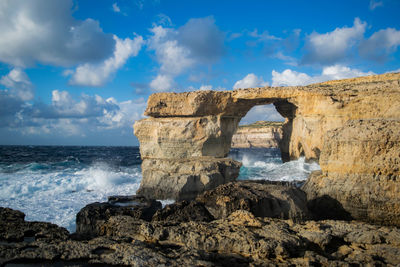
[
  {"x": 261, "y": 134},
  {"x": 324, "y": 122},
  {"x": 122, "y": 232}
]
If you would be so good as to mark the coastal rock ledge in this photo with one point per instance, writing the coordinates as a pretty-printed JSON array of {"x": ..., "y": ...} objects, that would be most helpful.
[{"x": 351, "y": 127}]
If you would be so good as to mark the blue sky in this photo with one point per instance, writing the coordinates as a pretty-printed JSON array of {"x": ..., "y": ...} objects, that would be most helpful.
[{"x": 79, "y": 72}]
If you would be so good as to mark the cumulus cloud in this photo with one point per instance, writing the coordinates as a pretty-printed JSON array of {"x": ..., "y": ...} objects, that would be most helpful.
[
  {"x": 380, "y": 45},
  {"x": 332, "y": 47},
  {"x": 251, "y": 80},
  {"x": 67, "y": 116},
  {"x": 290, "y": 77},
  {"x": 19, "y": 84},
  {"x": 45, "y": 32},
  {"x": 162, "y": 82},
  {"x": 203, "y": 38},
  {"x": 199, "y": 41},
  {"x": 97, "y": 74}
]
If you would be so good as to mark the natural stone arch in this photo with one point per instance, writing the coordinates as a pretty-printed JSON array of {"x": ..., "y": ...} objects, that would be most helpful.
[
  {"x": 190, "y": 134},
  {"x": 184, "y": 142}
]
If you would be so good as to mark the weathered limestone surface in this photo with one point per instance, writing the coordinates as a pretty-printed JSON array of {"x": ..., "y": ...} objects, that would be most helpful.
[
  {"x": 360, "y": 165},
  {"x": 337, "y": 123},
  {"x": 185, "y": 178},
  {"x": 260, "y": 135},
  {"x": 180, "y": 138}
]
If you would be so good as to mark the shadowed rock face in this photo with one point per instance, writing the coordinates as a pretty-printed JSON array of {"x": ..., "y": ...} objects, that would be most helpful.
[{"x": 197, "y": 124}]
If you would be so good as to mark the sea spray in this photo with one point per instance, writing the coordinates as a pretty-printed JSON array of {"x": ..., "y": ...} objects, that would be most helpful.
[
  {"x": 266, "y": 164},
  {"x": 53, "y": 183}
]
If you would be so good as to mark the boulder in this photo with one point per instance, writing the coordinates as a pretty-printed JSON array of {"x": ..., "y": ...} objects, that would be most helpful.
[
  {"x": 183, "y": 211},
  {"x": 261, "y": 198},
  {"x": 13, "y": 228},
  {"x": 90, "y": 219}
]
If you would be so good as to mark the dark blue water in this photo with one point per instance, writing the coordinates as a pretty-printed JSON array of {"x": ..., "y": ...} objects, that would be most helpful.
[{"x": 52, "y": 183}]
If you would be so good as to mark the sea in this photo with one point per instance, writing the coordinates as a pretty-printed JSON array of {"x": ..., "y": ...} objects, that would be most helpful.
[{"x": 52, "y": 183}]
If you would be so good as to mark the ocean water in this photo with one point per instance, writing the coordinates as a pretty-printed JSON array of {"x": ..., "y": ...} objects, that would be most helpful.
[{"x": 52, "y": 183}]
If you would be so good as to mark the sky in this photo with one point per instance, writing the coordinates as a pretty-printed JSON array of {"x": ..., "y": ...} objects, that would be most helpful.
[{"x": 79, "y": 72}]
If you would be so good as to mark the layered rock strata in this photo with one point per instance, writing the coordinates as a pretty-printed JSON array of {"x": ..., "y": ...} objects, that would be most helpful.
[
  {"x": 261, "y": 134},
  {"x": 185, "y": 178},
  {"x": 357, "y": 172},
  {"x": 360, "y": 165}
]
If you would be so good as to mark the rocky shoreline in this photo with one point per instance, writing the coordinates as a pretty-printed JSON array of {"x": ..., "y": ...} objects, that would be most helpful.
[
  {"x": 243, "y": 223},
  {"x": 347, "y": 214}
]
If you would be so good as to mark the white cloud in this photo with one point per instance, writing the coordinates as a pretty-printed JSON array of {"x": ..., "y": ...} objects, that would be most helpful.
[
  {"x": 380, "y": 44},
  {"x": 116, "y": 8},
  {"x": 251, "y": 80},
  {"x": 45, "y": 32},
  {"x": 262, "y": 37},
  {"x": 288, "y": 59},
  {"x": 333, "y": 47},
  {"x": 199, "y": 41},
  {"x": 173, "y": 57},
  {"x": 261, "y": 113},
  {"x": 128, "y": 112},
  {"x": 19, "y": 84},
  {"x": 292, "y": 78},
  {"x": 203, "y": 38},
  {"x": 374, "y": 4},
  {"x": 67, "y": 116},
  {"x": 162, "y": 83},
  {"x": 64, "y": 106},
  {"x": 97, "y": 74}
]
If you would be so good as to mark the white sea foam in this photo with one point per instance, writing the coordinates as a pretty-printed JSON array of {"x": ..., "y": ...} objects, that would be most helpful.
[
  {"x": 57, "y": 196},
  {"x": 55, "y": 192}
]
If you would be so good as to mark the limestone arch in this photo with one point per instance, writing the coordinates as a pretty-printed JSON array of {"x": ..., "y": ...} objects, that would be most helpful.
[{"x": 287, "y": 110}]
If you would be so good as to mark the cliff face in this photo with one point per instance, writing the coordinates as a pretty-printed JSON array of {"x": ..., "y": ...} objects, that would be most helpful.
[
  {"x": 260, "y": 134},
  {"x": 318, "y": 122}
]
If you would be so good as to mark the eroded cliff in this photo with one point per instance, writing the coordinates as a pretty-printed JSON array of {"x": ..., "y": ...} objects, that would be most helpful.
[
  {"x": 261, "y": 134},
  {"x": 201, "y": 124}
]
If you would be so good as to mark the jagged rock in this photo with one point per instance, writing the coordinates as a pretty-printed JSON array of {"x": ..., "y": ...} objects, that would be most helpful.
[
  {"x": 261, "y": 198},
  {"x": 185, "y": 178},
  {"x": 261, "y": 134},
  {"x": 13, "y": 228},
  {"x": 360, "y": 165},
  {"x": 240, "y": 239},
  {"x": 90, "y": 218},
  {"x": 183, "y": 211},
  {"x": 272, "y": 242}
]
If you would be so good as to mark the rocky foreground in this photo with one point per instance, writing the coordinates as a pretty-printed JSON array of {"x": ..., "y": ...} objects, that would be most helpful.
[{"x": 236, "y": 224}]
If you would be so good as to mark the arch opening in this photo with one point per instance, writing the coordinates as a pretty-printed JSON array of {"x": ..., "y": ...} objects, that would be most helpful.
[{"x": 262, "y": 144}]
